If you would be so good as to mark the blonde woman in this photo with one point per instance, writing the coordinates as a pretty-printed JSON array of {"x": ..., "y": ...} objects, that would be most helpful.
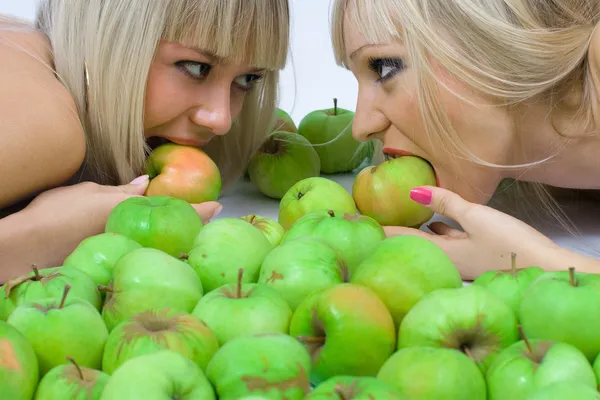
[
  {"x": 485, "y": 90},
  {"x": 89, "y": 88}
]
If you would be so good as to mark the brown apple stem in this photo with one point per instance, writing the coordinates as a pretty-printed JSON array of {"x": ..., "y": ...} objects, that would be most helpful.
[
  {"x": 524, "y": 337},
  {"x": 64, "y": 296},
  {"x": 335, "y": 101},
  {"x": 339, "y": 390},
  {"x": 239, "y": 283},
  {"x": 513, "y": 260},
  {"x": 102, "y": 288},
  {"x": 184, "y": 256},
  {"x": 311, "y": 339},
  {"x": 76, "y": 366},
  {"x": 572, "y": 278},
  {"x": 331, "y": 213},
  {"x": 253, "y": 218},
  {"x": 36, "y": 271},
  {"x": 467, "y": 351}
]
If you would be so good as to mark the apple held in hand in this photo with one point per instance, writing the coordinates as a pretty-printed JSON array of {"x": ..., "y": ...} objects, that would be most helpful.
[
  {"x": 566, "y": 390},
  {"x": 470, "y": 319},
  {"x": 383, "y": 192},
  {"x": 403, "y": 269},
  {"x": 243, "y": 308},
  {"x": 160, "y": 222},
  {"x": 270, "y": 366},
  {"x": 347, "y": 330},
  {"x": 355, "y": 388},
  {"x": 509, "y": 284},
  {"x": 527, "y": 366},
  {"x": 162, "y": 375},
  {"x": 223, "y": 247},
  {"x": 354, "y": 235},
  {"x": 434, "y": 373},
  {"x": 159, "y": 329},
  {"x": 47, "y": 283},
  {"x": 564, "y": 306},
  {"x": 57, "y": 328},
  {"x": 98, "y": 254},
  {"x": 19, "y": 370},
  {"x": 283, "y": 122},
  {"x": 313, "y": 194},
  {"x": 301, "y": 266},
  {"x": 330, "y": 130},
  {"x": 284, "y": 159},
  {"x": 70, "y": 381},
  {"x": 271, "y": 228},
  {"x": 147, "y": 279},
  {"x": 183, "y": 172}
]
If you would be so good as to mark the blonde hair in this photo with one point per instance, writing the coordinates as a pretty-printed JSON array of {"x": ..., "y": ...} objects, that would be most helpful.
[
  {"x": 511, "y": 51},
  {"x": 117, "y": 40}
]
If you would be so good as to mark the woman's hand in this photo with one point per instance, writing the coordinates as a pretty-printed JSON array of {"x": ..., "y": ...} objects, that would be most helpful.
[{"x": 488, "y": 239}]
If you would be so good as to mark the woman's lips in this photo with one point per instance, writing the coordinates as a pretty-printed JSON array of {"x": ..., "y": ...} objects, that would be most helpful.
[
  {"x": 157, "y": 141},
  {"x": 401, "y": 153}
]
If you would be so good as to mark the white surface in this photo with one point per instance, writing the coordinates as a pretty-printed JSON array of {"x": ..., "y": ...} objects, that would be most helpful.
[
  {"x": 311, "y": 78},
  {"x": 244, "y": 199}
]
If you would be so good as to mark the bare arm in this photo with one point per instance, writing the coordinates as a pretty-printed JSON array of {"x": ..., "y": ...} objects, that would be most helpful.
[{"x": 41, "y": 140}]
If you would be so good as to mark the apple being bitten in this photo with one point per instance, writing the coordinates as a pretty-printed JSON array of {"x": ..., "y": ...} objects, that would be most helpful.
[
  {"x": 313, "y": 194},
  {"x": 383, "y": 192},
  {"x": 183, "y": 172}
]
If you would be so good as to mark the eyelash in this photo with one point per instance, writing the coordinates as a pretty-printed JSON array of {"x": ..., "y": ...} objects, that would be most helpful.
[
  {"x": 376, "y": 64},
  {"x": 205, "y": 70}
]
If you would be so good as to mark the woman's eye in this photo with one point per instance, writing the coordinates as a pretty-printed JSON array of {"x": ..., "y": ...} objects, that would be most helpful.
[
  {"x": 193, "y": 69},
  {"x": 247, "y": 82},
  {"x": 386, "y": 68}
]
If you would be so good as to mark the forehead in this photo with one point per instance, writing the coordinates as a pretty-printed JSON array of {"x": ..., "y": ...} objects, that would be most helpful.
[{"x": 354, "y": 39}]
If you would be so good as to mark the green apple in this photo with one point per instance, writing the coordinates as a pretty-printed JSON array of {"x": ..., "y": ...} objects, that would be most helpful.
[
  {"x": 566, "y": 390},
  {"x": 403, "y": 269},
  {"x": 57, "y": 328},
  {"x": 284, "y": 159},
  {"x": 383, "y": 191},
  {"x": 528, "y": 365},
  {"x": 312, "y": 194},
  {"x": 271, "y": 228},
  {"x": 283, "y": 122},
  {"x": 470, "y": 319},
  {"x": 45, "y": 283},
  {"x": 301, "y": 266},
  {"x": 509, "y": 284},
  {"x": 159, "y": 329},
  {"x": 354, "y": 235},
  {"x": 564, "y": 306},
  {"x": 162, "y": 375},
  {"x": 223, "y": 247},
  {"x": 355, "y": 388},
  {"x": 434, "y": 373},
  {"x": 274, "y": 366},
  {"x": 70, "y": 381},
  {"x": 161, "y": 222},
  {"x": 347, "y": 330},
  {"x": 98, "y": 254},
  {"x": 19, "y": 370},
  {"x": 148, "y": 278},
  {"x": 330, "y": 131},
  {"x": 243, "y": 308}
]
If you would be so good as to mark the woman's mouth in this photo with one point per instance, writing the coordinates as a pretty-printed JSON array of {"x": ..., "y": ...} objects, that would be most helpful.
[
  {"x": 391, "y": 154},
  {"x": 156, "y": 141}
]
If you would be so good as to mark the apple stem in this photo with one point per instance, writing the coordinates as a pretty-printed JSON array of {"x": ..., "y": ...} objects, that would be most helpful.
[
  {"x": 524, "y": 337},
  {"x": 102, "y": 288},
  {"x": 239, "y": 283},
  {"x": 76, "y": 366},
  {"x": 331, "y": 213},
  {"x": 513, "y": 260},
  {"x": 311, "y": 339},
  {"x": 252, "y": 219},
  {"x": 572, "y": 279},
  {"x": 184, "y": 256},
  {"x": 64, "y": 296},
  {"x": 340, "y": 392},
  {"x": 36, "y": 271},
  {"x": 467, "y": 351},
  {"x": 335, "y": 101}
]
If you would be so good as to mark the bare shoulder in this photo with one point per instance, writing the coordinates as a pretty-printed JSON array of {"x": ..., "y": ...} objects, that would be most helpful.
[{"x": 42, "y": 143}]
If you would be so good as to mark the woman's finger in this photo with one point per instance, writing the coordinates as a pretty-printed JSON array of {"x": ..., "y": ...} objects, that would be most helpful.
[
  {"x": 441, "y": 228},
  {"x": 441, "y": 201},
  {"x": 208, "y": 210}
]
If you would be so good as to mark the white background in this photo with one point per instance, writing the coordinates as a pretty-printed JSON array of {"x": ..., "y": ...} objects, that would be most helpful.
[{"x": 311, "y": 79}]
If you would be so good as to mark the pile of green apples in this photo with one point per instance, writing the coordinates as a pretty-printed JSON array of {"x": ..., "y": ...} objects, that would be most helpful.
[{"x": 318, "y": 304}]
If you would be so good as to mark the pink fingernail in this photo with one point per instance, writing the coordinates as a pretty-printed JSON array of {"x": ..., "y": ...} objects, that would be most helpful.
[
  {"x": 140, "y": 179},
  {"x": 421, "y": 196}
]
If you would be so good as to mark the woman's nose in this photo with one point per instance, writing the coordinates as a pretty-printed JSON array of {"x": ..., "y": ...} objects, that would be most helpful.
[
  {"x": 214, "y": 113},
  {"x": 368, "y": 119}
]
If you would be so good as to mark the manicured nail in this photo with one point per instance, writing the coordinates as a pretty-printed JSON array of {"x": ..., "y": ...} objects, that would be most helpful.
[
  {"x": 217, "y": 211},
  {"x": 421, "y": 196},
  {"x": 139, "y": 179}
]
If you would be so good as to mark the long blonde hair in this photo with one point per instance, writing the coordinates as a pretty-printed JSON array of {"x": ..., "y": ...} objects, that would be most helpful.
[
  {"x": 116, "y": 40},
  {"x": 512, "y": 51}
]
